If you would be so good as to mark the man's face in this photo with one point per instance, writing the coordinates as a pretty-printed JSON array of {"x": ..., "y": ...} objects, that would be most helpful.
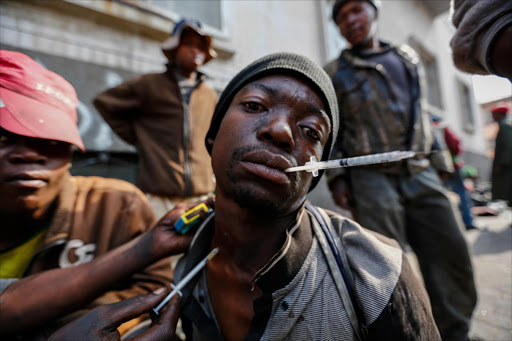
[
  {"x": 31, "y": 173},
  {"x": 191, "y": 52},
  {"x": 356, "y": 21},
  {"x": 273, "y": 123}
]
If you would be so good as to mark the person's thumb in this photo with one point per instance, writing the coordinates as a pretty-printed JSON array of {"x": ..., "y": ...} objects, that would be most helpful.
[{"x": 133, "y": 307}]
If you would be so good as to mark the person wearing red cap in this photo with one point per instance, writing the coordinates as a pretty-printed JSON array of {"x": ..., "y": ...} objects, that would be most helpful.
[
  {"x": 501, "y": 177},
  {"x": 166, "y": 116},
  {"x": 50, "y": 219}
]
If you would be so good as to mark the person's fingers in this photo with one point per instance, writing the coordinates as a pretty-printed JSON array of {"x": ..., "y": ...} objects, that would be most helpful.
[
  {"x": 340, "y": 200},
  {"x": 130, "y": 308},
  {"x": 171, "y": 312},
  {"x": 173, "y": 215},
  {"x": 164, "y": 326},
  {"x": 210, "y": 202}
]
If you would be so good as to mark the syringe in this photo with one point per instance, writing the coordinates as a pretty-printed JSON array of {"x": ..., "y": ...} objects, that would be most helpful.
[
  {"x": 314, "y": 166},
  {"x": 188, "y": 277}
]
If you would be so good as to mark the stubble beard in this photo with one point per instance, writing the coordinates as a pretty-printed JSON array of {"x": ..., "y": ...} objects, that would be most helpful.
[{"x": 247, "y": 198}]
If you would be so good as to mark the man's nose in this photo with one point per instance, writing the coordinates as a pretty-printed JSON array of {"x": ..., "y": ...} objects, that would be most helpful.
[
  {"x": 350, "y": 19},
  {"x": 26, "y": 153},
  {"x": 278, "y": 131},
  {"x": 197, "y": 49}
]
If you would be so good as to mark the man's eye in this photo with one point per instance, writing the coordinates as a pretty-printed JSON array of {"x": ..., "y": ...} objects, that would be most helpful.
[
  {"x": 311, "y": 133},
  {"x": 51, "y": 143},
  {"x": 5, "y": 139},
  {"x": 254, "y": 107}
]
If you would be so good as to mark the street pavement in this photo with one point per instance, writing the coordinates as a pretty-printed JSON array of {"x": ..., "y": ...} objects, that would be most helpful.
[{"x": 491, "y": 251}]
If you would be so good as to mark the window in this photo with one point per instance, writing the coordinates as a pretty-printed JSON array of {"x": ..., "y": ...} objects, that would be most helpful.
[
  {"x": 433, "y": 85},
  {"x": 431, "y": 68},
  {"x": 466, "y": 109},
  {"x": 209, "y": 12}
]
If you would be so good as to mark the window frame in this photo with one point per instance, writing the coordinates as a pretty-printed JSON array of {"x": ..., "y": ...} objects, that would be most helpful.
[
  {"x": 222, "y": 33},
  {"x": 468, "y": 117}
]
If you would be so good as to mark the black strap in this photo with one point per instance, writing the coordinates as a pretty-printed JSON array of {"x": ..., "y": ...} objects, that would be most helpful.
[{"x": 343, "y": 267}]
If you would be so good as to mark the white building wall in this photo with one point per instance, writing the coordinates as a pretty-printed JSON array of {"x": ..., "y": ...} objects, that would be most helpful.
[
  {"x": 76, "y": 36},
  {"x": 435, "y": 35},
  {"x": 253, "y": 29},
  {"x": 115, "y": 35},
  {"x": 474, "y": 141},
  {"x": 257, "y": 28}
]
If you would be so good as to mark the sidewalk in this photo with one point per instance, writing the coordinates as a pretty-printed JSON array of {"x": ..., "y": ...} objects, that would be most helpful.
[{"x": 491, "y": 251}]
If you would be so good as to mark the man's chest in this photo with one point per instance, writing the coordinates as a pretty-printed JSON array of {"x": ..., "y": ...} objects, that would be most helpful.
[{"x": 231, "y": 296}]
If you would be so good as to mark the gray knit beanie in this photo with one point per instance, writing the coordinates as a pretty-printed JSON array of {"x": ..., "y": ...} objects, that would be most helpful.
[
  {"x": 281, "y": 63},
  {"x": 339, "y": 3}
]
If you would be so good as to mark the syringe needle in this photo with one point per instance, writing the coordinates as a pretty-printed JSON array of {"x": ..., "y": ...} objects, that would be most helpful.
[{"x": 186, "y": 279}]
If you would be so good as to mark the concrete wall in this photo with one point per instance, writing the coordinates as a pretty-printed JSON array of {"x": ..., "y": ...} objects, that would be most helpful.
[
  {"x": 126, "y": 39},
  {"x": 257, "y": 28},
  {"x": 78, "y": 33},
  {"x": 115, "y": 35}
]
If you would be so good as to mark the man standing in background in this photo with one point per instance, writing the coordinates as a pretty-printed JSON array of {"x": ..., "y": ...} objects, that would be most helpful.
[
  {"x": 166, "y": 116},
  {"x": 502, "y": 163},
  {"x": 378, "y": 90}
]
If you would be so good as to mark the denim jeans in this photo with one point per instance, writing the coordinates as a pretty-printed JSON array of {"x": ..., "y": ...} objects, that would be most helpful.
[{"x": 456, "y": 184}]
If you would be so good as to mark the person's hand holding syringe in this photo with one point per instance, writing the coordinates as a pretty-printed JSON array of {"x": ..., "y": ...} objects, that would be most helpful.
[{"x": 314, "y": 166}]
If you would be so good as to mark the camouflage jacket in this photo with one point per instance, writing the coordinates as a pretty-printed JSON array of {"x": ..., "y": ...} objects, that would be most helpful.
[{"x": 371, "y": 118}]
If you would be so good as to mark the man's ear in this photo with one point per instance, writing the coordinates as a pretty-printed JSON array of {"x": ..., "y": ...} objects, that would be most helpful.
[{"x": 170, "y": 55}]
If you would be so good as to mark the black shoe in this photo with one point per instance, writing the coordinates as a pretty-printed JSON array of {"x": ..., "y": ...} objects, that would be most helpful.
[{"x": 471, "y": 227}]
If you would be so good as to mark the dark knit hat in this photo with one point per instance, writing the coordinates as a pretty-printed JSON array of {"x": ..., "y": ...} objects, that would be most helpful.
[
  {"x": 339, "y": 3},
  {"x": 281, "y": 63}
]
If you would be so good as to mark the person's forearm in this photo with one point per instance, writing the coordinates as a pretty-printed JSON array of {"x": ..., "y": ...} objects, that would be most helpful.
[{"x": 43, "y": 297}]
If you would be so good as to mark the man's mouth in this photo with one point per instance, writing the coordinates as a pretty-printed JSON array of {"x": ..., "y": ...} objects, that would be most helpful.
[
  {"x": 199, "y": 59},
  {"x": 267, "y": 165},
  {"x": 28, "y": 180},
  {"x": 353, "y": 32}
]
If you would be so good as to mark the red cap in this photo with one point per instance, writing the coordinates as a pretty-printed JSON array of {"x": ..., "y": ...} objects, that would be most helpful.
[
  {"x": 36, "y": 102},
  {"x": 499, "y": 110}
]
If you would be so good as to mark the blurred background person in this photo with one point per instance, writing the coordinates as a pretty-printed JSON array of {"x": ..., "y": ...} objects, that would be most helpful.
[
  {"x": 502, "y": 162},
  {"x": 454, "y": 181},
  {"x": 166, "y": 116}
]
